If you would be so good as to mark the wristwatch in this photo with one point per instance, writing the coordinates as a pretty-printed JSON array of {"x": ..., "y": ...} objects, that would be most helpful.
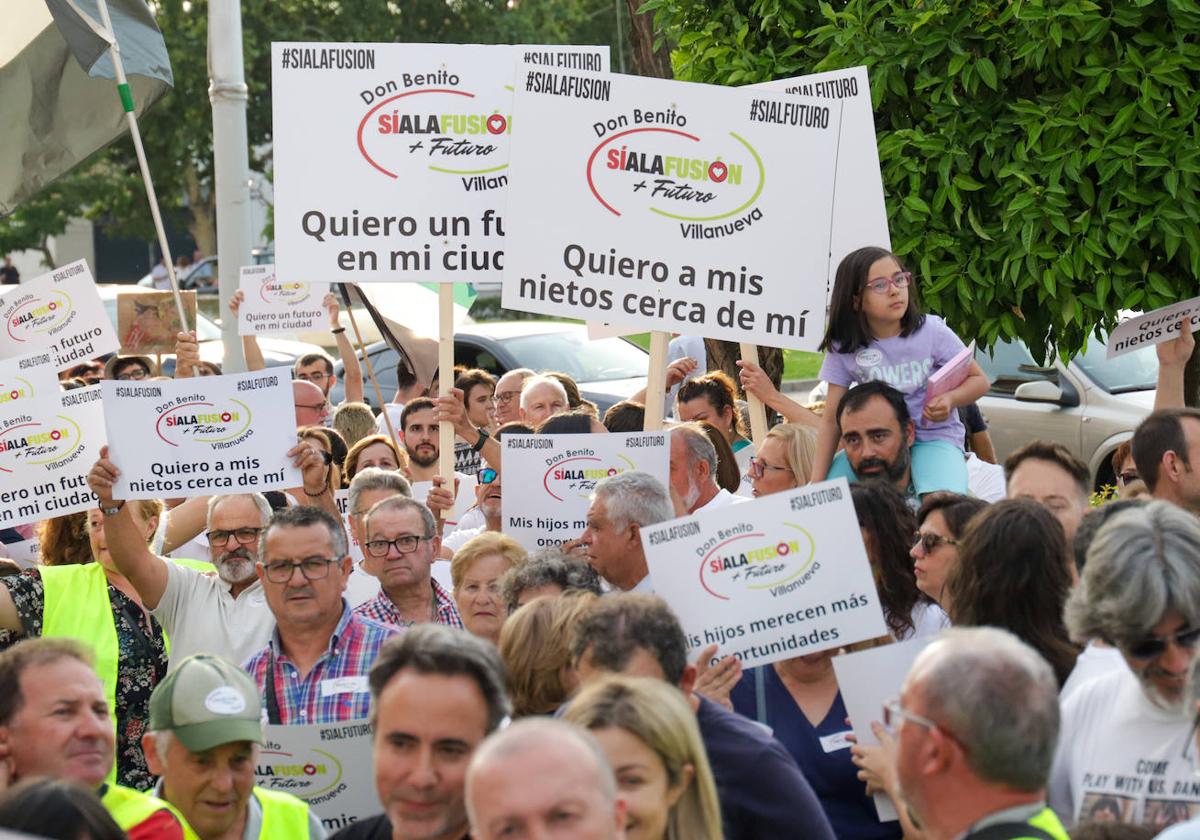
[
  {"x": 112, "y": 511},
  {"x": 483, "y": 435}
]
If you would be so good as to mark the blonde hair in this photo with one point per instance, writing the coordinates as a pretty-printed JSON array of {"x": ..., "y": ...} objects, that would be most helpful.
[
  {"x": 354, "y": 421},
  {"x": 657, "y": 715},
  {"x": 481, "y": 545},
  {"x": 800, "y": 449},
  {"x": 535, "y": 644}
]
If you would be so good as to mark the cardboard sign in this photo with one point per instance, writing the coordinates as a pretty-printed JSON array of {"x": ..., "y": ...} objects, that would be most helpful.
[
  {"x": 46, "y": 450},
  {"x": 671, "y": 206},
  {"x": 391, "y": 160},
  {"x": 867, "y": 680},
  {"x": 60, "y": 312},
  {"x": 329, "y": 766},
  {"x": 197, "y": 437},
  {"x": 147, "y": 322},
  {"x": 1153, "y": 327},
  {"x": 277, "y": 307},
  {"x": 782, "y": 576},
  {"x": 549, "y": 479}
]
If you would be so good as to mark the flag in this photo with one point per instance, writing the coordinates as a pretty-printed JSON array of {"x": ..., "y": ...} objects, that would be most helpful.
[{"x": 58, "y": 100}]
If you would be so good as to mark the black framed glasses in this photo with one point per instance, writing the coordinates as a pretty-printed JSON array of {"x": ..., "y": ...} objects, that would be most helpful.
[
  {"x": 929, "y": 540},
  {"x": 880, "y": 285},
  {"x": 505, "y": 398},
  {"x": 244, "y": 536},
  {"x": 1154, "y": 646},
  {"x": 313, "y": 568},
  {"x": 406, "y": 544},
  {"x": 758, "y": 468},
  {"x": 487, "y": 475},
  {"x": 319, "y": 376}
]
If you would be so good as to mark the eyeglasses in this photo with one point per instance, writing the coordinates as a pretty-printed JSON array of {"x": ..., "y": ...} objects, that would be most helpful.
[
  {"x": 880, "y": 285},
  {"x": 487, "y": 475},
  {"x": 758, "y": 468},
  {"x": 1126, "y": 477},
  {"x": 314, "y": 568},
  {"x": 894, "y": 713},
  {"x": 133, "y": 373},
  {"x": 929, "y": 540},
  {"x": 1155, "y": 646},
  {"x": 317, "y": 407},
  {"x": 505, "y": 398},
  {"x": 244, "y": 536},
  {"x": 406, "y": 544}
]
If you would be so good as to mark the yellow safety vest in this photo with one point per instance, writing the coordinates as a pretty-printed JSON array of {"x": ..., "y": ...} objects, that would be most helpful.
[
  {"x": 1048, "y": 822},
  {"x": 284, "y": 815},
  {"x": 128, "y": 807}
]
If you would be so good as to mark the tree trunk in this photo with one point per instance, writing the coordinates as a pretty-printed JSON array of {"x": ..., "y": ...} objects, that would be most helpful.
[
  {"x": 647, "y": 61},
  {"x": 203, "y": 223},
  {"x": 723, "y": 355},
  {"x": 47, "y": 254},
  {"x": 1191, "y": 379}
]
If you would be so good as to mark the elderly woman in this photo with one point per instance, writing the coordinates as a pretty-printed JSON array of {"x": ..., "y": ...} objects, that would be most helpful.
[
  {"x": 784, "y": 460},
  {"x": 476, "y": 571},
  {"x": 535, "y": 646}
]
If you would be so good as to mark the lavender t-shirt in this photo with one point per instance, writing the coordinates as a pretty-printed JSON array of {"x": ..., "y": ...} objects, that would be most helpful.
[{"x": 905, "y": 363}]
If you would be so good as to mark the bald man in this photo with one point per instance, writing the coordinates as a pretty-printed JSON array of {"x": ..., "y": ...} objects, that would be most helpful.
[{"x": 312, "y": 408}]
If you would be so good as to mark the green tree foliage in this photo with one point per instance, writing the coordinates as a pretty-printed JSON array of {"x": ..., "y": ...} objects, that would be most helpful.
[{"x": 1040, "y": 158}]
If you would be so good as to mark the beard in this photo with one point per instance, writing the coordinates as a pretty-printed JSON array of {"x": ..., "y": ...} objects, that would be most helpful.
[
  {"x": 693, "y": 493},
  {"x": 235, "y": 567},
  {"x": 879, "y": 468},
  {"x": 423, "y": 455}
]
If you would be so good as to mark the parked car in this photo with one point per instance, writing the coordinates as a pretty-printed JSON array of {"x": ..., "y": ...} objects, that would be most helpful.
[
  {"x": 1091, "y": 405},
  {"x": 607, "y": 370},
  {"x": 276, "y": 351},
  {"x": 199, "y": 276}
]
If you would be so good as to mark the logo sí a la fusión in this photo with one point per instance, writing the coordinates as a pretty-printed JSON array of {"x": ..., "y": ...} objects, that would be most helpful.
[
  {"x": 203, "y": 422},
  {"x": 676, "y": 174},
  {"x": 274, "y": 291},
  {"x": 308, "y": 775},
  {"x": 39, "y": 313},
  {"x": 752, "y": 561},
  {"x": 38, "y": 442},
  {"x": 429, "y": 122},
  {"x": 17, "y": 388},
  {"x": 578, "y": 476}
]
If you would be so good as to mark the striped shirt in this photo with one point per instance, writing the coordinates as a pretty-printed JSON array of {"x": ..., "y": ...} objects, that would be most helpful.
[
  {"x": 381, "y": 609},
  {"x": 336, "y": 688}
]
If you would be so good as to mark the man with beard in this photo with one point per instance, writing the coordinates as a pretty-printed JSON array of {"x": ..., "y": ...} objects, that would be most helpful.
[
  {"x": 419, "y": 425},
  {"x": 1126, "y": 733},
  {"x": 694, "y": 472},
  {"x": 877, "y": 434},
  {"x": 487, "y": 502},
  {"x": 225, "y": 615},
  {"x": 622, "y": 505}
]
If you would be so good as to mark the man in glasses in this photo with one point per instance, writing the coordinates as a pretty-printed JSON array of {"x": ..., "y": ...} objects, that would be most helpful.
[
  {"x": 975, "y": 726},
  {"x": 314, "y": 666},
  {"x": 400, "y": 547},
  {"x": 312, "y": 408},
  {"x": 1124, "y": 733},
  {"x": 129, "y": 368},
  {"x": 508, "y": 395}
]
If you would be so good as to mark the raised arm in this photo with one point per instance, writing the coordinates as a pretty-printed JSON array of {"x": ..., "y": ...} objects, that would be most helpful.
[
  {"x": 250, "y": 348},
  {"x": 827, "y": 433},
  {"x": 315, "y": 472},
  {"x": 755, "y": 381},
  {"x": 132, "y": 557},
  {"x": 1173, "y": 357},
  {"x": 352, "y": 376},
  {"x": 185, "y": 521}
]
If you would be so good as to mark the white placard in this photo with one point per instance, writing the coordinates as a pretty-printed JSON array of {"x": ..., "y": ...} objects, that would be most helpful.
[
  {"x": 328, "y": 766},
  {"x": 671, "y": 206},
  {"x": 464, "y": 498},
  {"x": 24, "y": 382},
  {"x": 201, "y": 436},
  {"x": 1153, "y": 327},
  {"x": 391, "y": 160},
  {"x": 867, "y": 680},
  {"x": 782, "y": 576},
  {"x": 279, "y": 307},
  {"x": 46, "y": 450},
  {"x": 61, "y": 312},
  {"x": 549, "y": 479},
  {"x": 342, "y": 497}
]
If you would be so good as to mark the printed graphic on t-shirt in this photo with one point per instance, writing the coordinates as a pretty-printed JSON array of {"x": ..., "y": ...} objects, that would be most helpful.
[
  {"x": 1101, "y": 807},
  {"x": 1157, "y": 794},
  {"x": 906, "y": 376},
  {"x": 1161, "y": 814}
]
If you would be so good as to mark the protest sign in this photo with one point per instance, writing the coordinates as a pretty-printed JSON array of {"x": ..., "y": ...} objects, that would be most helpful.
[
  {"x": 196, "y": 437},
  {"x": 549, "y": 479},
  {"x": 391, "y": 160},
  {"x": 342, "y": 497},
  {"x": 867, "y": 680},
  {"x": 27, "y": 379},
  {"x": 25, "y": 553},
  {"x": 147, "y": 322},
  {"x": 671, "y": 206},
  {"x": 47, "y": 446},
  {"x": 271, "y": 306},
  {"x": 1153, "y": 327},
  {"x": 328, "y": 766},
  {"x": 60, "y": 312},
  {"x": 782, "y": 576}
]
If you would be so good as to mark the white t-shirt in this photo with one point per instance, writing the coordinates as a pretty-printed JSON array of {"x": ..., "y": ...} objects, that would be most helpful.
[
  {"x": 723, "y": 499},
  {"x": 200, "y": 616},
  {"x": 1119, "y": 753},
  {"x": 1095, "y": 661},
  {"x": 985, "y": 481},
  {"x": 928, "y": 620},
  {"x": 394, "y": 410},
  {"x": 460, "y": 536}
]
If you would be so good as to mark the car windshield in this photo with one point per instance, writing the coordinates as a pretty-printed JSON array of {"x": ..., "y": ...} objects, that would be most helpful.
[
  {"x": 1136, "y": 371},
  {"x": 584, "y": 361}
]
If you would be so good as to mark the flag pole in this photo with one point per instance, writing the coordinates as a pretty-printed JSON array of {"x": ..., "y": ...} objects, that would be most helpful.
[{"x": 131, "y": 118}]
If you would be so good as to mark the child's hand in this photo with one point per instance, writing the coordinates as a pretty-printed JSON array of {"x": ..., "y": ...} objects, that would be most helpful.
[{"x": 938, "y": 409}]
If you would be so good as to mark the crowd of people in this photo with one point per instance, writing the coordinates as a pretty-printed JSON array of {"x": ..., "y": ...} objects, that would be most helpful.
[{"x": 553, "y": 694}]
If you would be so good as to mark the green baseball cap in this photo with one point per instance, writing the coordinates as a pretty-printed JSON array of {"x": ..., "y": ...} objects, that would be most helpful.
[{"x": 207, "y": 701}]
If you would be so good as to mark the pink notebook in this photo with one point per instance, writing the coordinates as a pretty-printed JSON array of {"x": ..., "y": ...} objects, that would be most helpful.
[{"x": 950, "y": 375}]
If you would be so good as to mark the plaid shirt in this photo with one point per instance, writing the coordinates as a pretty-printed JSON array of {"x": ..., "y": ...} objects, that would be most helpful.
[
  {"x": 381, "y": 609},
  {"x": 336, "y": 688}
]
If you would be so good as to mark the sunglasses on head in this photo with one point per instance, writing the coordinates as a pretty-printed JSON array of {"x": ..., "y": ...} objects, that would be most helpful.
[{"x": 1154, "y": 646}]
